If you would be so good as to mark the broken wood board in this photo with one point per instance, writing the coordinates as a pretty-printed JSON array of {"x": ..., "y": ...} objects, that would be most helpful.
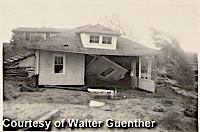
[
  {"x": 96, "y": 103},
  {"x": 49, "y": 116},
  {"x": 27, "y": 89},
  {"x": 103, "y": 93},
  {"x": 183, "y": 92},
  {"x": 81, "y": 88}
]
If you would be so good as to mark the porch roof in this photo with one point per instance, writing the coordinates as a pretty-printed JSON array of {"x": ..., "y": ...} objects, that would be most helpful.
[{"x": 70, "y": 41}]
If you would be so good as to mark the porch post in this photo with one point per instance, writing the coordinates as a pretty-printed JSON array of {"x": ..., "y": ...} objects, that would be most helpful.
[
  {"x": 37, "y": 61},
  {"x": 139, "y": 66},
  {"x": 149, "y": 67}
]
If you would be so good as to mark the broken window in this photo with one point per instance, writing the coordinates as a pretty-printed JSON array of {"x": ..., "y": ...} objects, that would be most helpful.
[
  {"x": 107, "y": 72},
  {"x": 58, "y": 64},
  {"x": 94, "y": 39},
  {"x": 107, "y": 40}
]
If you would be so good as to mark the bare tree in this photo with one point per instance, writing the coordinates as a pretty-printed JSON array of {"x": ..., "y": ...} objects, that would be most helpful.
[
  {"x": 172, "y": 58},
  {"x": 115, "y": 24}
]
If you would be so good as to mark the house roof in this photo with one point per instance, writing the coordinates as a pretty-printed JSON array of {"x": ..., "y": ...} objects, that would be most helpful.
[
  {"x": 18, "y": 53},
  {"x": 34, "y": 29},
  {"x": 99, "y": 29},
  {"x": 70, "y": 41}
]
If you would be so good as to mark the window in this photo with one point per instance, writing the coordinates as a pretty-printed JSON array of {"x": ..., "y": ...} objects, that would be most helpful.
[
  {"x": 107, "y": 72},
  {"x": 94, "y": 39},
  {"x": 35, "y": 37},
  {"x": 27, "y": 36},
  {"x": 47, "y": 35},
  {"x": 52, "y": 34},
  {"x": 107, "y": 40},
  {"x": 58, "y": 64}
]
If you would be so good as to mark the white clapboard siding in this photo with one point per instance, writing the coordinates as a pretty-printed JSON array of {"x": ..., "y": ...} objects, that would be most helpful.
[{"x": 74, "y": 69}]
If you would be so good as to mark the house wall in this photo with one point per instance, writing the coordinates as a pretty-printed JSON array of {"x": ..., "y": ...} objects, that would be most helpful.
[
  {"x": 85, "y": 38},
  {"x": 73, "y": 73},
  {"x": 22, "y": 35}
]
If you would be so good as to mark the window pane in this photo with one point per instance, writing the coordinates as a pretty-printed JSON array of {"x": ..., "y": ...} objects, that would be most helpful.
[
  {"x": 56, "y": 60},
  {"x": 107, "y": 40},
  {"x": 94, "y": 39},
  {"x": 58, "y": 64},
  {"x": 58, "y": 69},
  {"x": 107, "y": 72},
  {"x": 59, "y": 60}
]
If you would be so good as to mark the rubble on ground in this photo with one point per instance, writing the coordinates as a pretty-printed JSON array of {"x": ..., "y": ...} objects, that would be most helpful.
[
  {"x": 96, "y": 103},
  {"x": 190, "y": 112},
  {"x": 159, "y": 109},
  {"x": 183, "y": 92}
]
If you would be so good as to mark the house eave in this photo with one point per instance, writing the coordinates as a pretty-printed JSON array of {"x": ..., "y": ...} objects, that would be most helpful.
[{"x": 89, "y": 53}]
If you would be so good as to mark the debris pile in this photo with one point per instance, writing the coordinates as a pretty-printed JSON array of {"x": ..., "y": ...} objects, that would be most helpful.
[
  {"x": 16, "y": 71},
  {"x": 190, "y": 112},
  {"x": 183, "y": 92},
  {"x": 103, "y": 93}
]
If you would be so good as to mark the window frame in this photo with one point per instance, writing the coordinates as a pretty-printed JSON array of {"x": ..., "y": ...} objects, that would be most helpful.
[
  {"x": 94, "y": 39},
  {"x": 106, "y": 39},
  {"x": 107, "y": 71},
  {"x": 59, "y": 55}
]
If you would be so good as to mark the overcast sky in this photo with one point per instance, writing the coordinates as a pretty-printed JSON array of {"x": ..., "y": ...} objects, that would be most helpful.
[{"x": 180, "y": 18}]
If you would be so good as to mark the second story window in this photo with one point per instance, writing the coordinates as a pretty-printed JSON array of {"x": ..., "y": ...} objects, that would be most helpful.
[
  {"x": 27, "y": 36},
  {"x": 47, "y": 35},
  {"x": 94, "y": 39},
  {"x": 107, "y": 40}
]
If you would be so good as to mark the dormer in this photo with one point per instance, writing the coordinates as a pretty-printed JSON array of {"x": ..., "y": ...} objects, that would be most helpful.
[{"x": 98, "y": 36}]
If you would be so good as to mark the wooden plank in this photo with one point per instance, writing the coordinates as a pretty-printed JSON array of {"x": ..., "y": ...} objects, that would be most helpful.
[
  {"x": 5, "y": 62},
  {"x": 9, "y": 60},
  {"x": 14, "y": 58},
  {"x": 15, "y": 74},
  {"x": 19, "y": 57},
  {"x": 49, "y": 116}
]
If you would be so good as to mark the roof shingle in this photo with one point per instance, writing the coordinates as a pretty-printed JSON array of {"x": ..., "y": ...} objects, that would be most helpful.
[{"x": 70, "y": 41}]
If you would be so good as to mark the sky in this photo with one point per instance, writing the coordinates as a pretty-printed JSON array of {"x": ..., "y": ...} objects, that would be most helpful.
[{"x": 180, "y": 18}]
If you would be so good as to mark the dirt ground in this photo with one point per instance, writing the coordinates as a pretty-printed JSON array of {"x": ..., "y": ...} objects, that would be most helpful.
[{"x": 130, "y": 104}]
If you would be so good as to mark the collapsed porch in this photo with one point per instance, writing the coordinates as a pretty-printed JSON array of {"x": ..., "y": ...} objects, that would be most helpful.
[{"x": 121, "y": 72}]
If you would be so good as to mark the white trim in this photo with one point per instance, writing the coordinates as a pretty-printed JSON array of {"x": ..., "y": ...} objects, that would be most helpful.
[
  {"x": 64, "y": 63},
  {"x": 37, "y": 61},
  {"x": 139, "y": 66}
]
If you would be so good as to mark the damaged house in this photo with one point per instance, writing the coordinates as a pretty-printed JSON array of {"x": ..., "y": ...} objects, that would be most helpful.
[
  {"x": 94, "y": 55},
  {"x": 17, "y": 59}
]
